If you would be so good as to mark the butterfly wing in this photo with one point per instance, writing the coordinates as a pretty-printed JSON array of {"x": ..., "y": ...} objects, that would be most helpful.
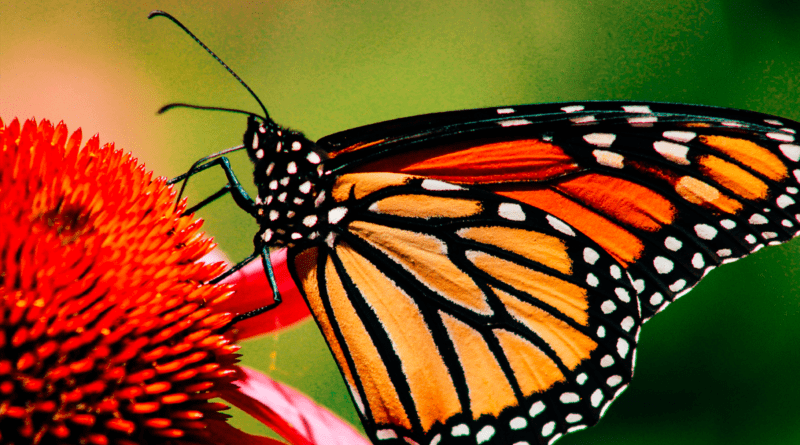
[
  {"x": 486, "y": 271},
  {"x": 457, "y": 315},
  {"x": 671, "y": 191}
]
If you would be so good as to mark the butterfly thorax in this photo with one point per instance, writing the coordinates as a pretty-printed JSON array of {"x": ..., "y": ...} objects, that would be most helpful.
[{"x": 291, "y": 178}]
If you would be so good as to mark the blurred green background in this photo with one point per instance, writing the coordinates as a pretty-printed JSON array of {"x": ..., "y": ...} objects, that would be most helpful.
[{"x": 718, "y": 367}]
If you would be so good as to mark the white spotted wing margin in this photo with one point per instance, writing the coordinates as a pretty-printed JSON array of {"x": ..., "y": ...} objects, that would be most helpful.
[
  {"x": 459, "y": 316},
  {"x": 706, "y": 147}
]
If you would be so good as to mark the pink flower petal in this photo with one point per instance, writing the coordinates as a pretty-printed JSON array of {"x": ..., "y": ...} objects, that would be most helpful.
[
  {"x": 275, "y": 403},
  {"x": 253, "y": 292},
  {"x": 222, "y": 433}
]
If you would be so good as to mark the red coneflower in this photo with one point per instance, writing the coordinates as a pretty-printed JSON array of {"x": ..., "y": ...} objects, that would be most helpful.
[{"x": 108, "y": 332}]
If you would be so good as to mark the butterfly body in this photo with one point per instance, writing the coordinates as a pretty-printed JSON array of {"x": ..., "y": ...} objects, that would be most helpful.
[{"x": 292, "y": 185}]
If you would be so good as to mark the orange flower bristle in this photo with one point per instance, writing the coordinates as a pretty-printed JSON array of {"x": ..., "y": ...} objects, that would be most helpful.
[{"x": 107, "y": 328}]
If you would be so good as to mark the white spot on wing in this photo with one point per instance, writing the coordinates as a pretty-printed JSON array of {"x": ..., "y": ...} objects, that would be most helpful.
[
  {"x": 640, "y": 120},
  {"x": 255, "y": 142},
  {"x": 511, "y": 211},
  {"x": 260, "y": 153},
  {"x": 656, "y": 299},
  {"x": 757, "y": 219},
  {"x": 548, "y": 428},
  {"x": 637, "y": 109},
  {"x": 536, "y": 409},
  {"x": 673, "y": 244},
  {"x": 310, "y": 221},
  {"x": 606, "y": 361},
  {"x": 514, "y": 122},
  {"x": 680, "y": 136},
  {"x": 569, "y": 397},
  {"x": 436, "y": 185},
  {"x": 296, "y": 146},
  {"x": 783, "y": 137},
  {"x": 597, "y": 397},
  {"x": 663, "y": 265},
  {"x": 697, "y": 261},
  {"x": 609, "y": 158},
  {"x": 313, "y": 158},
  {"x": 590, "y": 255},
  {"x": 518, "y": 423},
  {"x": 773, "y": 122},
  {"x": 704, "y": 231},
  {"x": 386, "y": 434},
  {"x": 731, "y": 124},
  {"x": 614, "y": 380},
  {"x": 505, "y": 110},
  {"x": 320, "y": 199},
  {"x": 460, "y": 430},
  {"x": 560, "y": 225},
  {"x": 592, "y": 280},
  {"x": 791, "y": 151},
  {"x": 600, "y": 139},
  {"x": 291, "y": 168},
  {"x": 623, "y": 347},
  {"x": 608, "y": 307},
  {"x": 727, "y": 224},
  {"x": 623, "y": 295},
  {"x": 678, "y": 285},
  {"x": 627, "y": 323},
  {"x": 583, "y": 120},
  {"x": 572, "y": 108},
  {"x": 485, "y": 434},
  {"x": 336, "y": 214},
  {"x": 673, "y": 152}
]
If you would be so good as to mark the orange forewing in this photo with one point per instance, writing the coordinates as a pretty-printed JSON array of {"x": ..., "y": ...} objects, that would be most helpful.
[{"x": 481, "y": 162}]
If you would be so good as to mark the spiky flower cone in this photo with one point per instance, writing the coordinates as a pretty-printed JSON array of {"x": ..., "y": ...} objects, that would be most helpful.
[{"x": 107, "y": 332}]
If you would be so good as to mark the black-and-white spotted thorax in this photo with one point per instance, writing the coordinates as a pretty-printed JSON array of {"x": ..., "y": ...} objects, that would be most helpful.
[{"x": 292, "y": 186}]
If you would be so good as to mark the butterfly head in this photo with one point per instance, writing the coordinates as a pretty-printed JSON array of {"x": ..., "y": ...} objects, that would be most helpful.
[{"x": 290, "y": 175}]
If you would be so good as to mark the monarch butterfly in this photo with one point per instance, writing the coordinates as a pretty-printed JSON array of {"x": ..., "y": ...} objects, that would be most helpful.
[{"x": 481, "y": 276}]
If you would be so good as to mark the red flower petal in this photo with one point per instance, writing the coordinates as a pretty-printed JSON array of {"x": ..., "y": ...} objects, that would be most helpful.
[
  {"x": 253, "y": 292},
  {"x": 263, "y": 398}
]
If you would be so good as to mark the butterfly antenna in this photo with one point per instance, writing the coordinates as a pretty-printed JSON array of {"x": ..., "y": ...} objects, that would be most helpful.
[
  {"x": 157, "y": 13},
  {"x": 168, "y": 107}
]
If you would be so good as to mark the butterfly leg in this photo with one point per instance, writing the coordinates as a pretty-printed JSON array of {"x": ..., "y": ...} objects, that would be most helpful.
[
  {"x": 234, "y": 187},
  {"x": 276, "y": 296}
]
